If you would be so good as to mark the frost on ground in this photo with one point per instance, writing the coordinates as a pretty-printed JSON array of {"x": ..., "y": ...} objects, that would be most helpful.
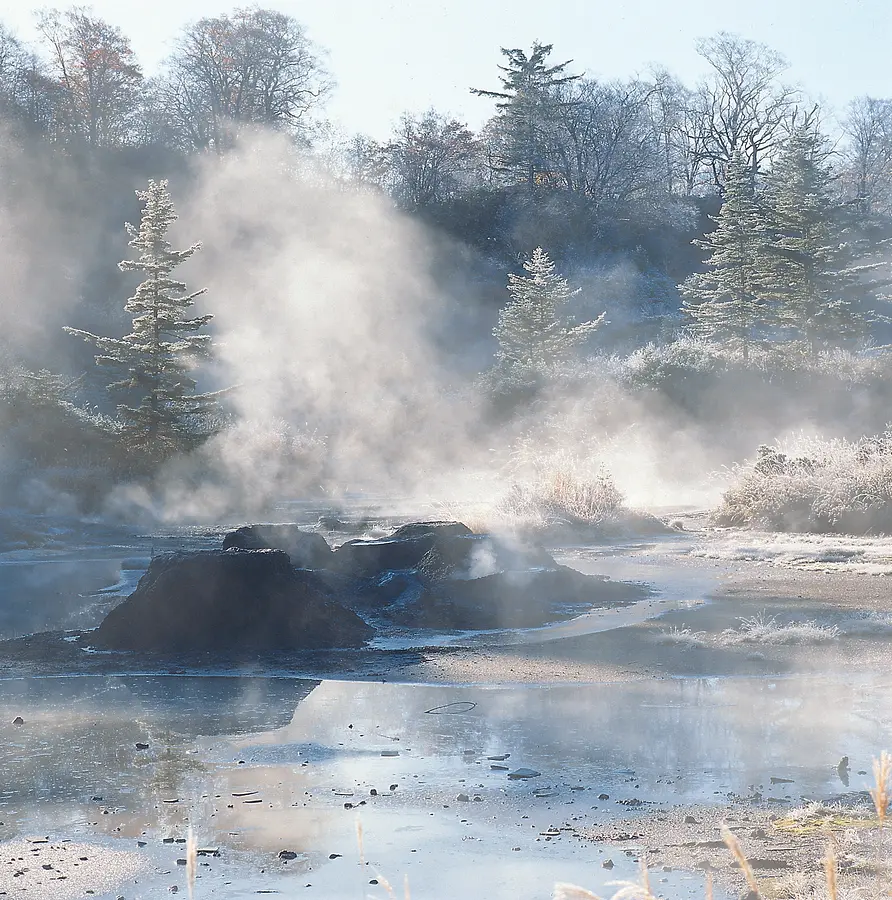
[
  {"x": 808, "y": 552},
  {"x": 814, "y": 485},
  {"x": 65, "y": 870},
  {"x": 758, "y": 629}
]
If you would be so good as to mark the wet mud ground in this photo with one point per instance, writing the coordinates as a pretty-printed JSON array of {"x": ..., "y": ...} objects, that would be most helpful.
[{"x": 641, "y": 750}]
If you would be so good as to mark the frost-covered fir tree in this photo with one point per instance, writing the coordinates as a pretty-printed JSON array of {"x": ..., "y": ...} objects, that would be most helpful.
[
  {"x": 729, "y": 302},
  {"x": 161, "y": 411},
  {"x": 817, "y": 270},
  {"x": 532, "y": 336}
]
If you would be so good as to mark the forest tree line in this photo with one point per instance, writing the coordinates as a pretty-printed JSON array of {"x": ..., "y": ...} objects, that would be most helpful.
[
  {"x": 750, "y": 224},
  {"x": 602, "y": 164}
]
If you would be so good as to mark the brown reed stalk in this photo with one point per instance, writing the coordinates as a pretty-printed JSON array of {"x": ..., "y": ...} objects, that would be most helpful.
[
  {"x": 359, "y": 841},
  {"x": 733, "y": 845},
  {"x": 831, "y": 871},
  {"x": 882, "y": 771},
  {"x": 191, "y": 863}
]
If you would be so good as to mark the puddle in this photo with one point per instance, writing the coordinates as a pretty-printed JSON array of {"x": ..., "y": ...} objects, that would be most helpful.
[{"x": 261, "y": 765}]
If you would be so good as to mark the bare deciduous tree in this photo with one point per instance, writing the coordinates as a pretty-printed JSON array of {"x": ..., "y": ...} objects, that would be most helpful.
[
  {"x": 602, "y": 142},
  {"x": 868, "y": 128},
  {"x": 431, "y": 157},
  {"x": 96, "y": 70},
  {"x": 741, "y": 107},
  {"x": 253, "y": 67}
]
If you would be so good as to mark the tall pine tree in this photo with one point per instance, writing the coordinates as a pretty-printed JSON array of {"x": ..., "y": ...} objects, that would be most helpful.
[
  {"x": 161, "y": 411},
  {"x": 528, "y": 104},
  {"x": 728, "y": 301},
  {"x": 532, "y": 336},
  {"x": 817, "y": 270}
]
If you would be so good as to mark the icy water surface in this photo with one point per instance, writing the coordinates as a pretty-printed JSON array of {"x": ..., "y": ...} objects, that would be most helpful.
[{"x": 258, "y": 766}]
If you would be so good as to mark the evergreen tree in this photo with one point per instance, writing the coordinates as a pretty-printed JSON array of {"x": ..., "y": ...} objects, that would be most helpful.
[
  {"x": 532, "y": 338},
  {"x": 162, "y": 410},
  {"x": 817, "y": 270},
  {"x": 728, "y": 301},
  {"x": 528, "y": 106}
]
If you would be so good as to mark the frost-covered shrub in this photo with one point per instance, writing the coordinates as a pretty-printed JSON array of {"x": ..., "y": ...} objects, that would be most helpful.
[
  {"x": 814, "y": 485},
  {"x": 764, "y": 629},
  {"x": 562, "y": 497}
]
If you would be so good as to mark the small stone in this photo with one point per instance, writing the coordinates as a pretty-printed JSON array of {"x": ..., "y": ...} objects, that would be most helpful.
[
  {"x": 181, "y": 862},
  {"x": 607, "y": 864},
  {"x": 393, "y": 787},
  {"x": 690, "y": 820},
  {"x": 18, "y": 720},
  {"x": 463, "y": 798},
  {"x": 603, "y": 796},
  {"x": 287, "y": 854},
  {"x": 524, "y": 773}
]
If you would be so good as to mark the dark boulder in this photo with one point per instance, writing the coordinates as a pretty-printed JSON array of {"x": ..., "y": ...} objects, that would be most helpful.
[
  {"x": 229, "y": 601},
  {"x": 439, "y": 549},
  {"x": 512, "y": 599},
  {"x": 414, "y": 530},
  {"x": 476, "y": 555},
  {"x": 306, "y": 549}
]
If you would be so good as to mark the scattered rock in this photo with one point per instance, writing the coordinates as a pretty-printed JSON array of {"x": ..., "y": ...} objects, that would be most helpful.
[
  {"x": 141, "y": 746},
  {"x": 463, "y": 798},
  {"x": 287, "y": 854},
  {"x": 524, "y": 773},
  {"x": 18, "y": 720}
]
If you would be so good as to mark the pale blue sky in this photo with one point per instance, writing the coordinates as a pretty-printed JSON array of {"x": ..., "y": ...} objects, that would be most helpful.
[{"x": 388, "y": 57}]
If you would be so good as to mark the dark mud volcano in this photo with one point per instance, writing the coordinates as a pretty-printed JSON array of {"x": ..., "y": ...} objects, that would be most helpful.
[{"x": 225, "y": 600}]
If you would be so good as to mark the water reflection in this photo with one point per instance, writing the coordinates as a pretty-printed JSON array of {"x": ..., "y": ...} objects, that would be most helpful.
[{"x": 258, "y": 765}]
